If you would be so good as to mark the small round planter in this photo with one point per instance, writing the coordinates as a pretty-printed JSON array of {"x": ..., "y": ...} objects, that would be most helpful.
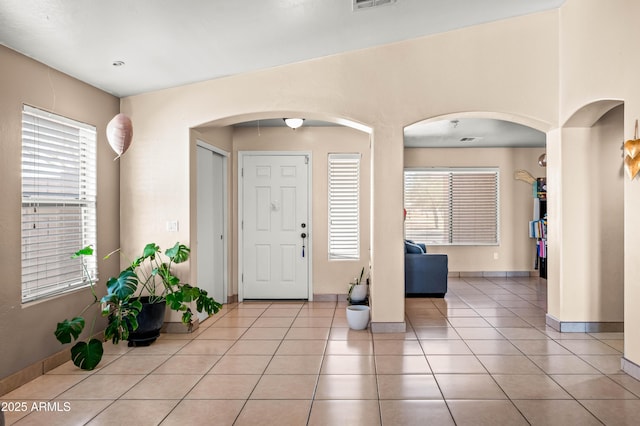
[
  {"x": 358, "y": 293},
  {"x": 358, "y": 316}
]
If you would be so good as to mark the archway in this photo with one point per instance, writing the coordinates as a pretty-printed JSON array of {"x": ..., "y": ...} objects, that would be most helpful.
[
  {"x": 321, "y": 134},
  {"x": 586, "y": 244},
  {"x": 479, "y": 141}
]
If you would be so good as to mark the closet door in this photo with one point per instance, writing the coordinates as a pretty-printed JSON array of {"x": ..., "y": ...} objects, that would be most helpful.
[{"x": 211, "y": 207}]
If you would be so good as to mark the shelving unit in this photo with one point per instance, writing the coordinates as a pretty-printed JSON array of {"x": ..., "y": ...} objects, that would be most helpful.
[{"x": 538, "y": 226}]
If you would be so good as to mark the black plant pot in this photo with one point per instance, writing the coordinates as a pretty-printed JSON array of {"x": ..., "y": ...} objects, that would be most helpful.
[{"x": 150, "y": 320}]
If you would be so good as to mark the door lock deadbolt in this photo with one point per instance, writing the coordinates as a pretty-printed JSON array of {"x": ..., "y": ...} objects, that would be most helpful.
[{"x": 303, "y": 236}]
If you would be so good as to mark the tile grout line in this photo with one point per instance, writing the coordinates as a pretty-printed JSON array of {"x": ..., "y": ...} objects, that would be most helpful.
[
  {"x": 435, "y": 379},
  {"x": 205, "y": 373},
  {"x": 548, "y": 375}
]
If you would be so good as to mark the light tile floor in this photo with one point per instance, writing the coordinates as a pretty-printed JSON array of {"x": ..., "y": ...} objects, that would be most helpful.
[{"x": 480, "y": 356}]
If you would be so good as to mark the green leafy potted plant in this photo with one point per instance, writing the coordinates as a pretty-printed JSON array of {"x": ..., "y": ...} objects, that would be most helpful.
[{"x": 149, "y": 276}]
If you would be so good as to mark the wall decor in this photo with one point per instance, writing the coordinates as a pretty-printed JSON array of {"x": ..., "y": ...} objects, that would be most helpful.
[{"x": 632, "y": 154}]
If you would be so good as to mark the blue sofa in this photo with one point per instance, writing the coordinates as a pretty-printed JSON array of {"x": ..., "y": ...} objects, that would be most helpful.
[{"x": 425, "y": 274}]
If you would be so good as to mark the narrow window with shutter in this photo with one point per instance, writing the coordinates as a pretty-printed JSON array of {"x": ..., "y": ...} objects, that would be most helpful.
[
  {"x": 58, "y": 203},
  {"x": 452, "y": 206},
  {"x": 344, "y": 206}
]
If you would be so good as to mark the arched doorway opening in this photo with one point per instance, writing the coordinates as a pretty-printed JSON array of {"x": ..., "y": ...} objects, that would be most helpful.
[
  {"x": 266, "y": 134},
  {"x": 586, "y": 288},
  {"x": 481, "y": 142}
]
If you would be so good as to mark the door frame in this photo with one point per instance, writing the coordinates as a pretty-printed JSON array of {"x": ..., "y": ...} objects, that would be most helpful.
[
  {"x": 309, "y": 251},
  {"x": 225, "y": 214}
]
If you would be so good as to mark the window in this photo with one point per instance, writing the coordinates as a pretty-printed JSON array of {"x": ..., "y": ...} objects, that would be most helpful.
[
  {"x": 58, "y": 203},
  {"x": 452, "y": 206},
  {"x": 344, "y": 211}
]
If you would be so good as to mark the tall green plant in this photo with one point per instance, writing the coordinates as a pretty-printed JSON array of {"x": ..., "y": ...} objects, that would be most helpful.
[{"x": 149, "y": 274}]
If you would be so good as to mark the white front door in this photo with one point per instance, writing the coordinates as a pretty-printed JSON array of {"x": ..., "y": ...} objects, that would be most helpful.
[
  {"x": 211, "y": 238},
  {"x": 274, "y": 226}
]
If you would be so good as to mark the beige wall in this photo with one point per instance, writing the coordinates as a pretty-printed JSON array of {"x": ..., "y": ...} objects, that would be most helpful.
[
  {"x": 516, "y": 251},
  {"x": 591, "y": 251},
  {"x": 26, "y": 331},
  {"x": 607, "y": 213},
  {"x": 514, "y": 72}
]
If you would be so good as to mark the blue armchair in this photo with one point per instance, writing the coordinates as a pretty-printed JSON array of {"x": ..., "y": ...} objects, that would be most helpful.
[{"x": 425, "y": 274}]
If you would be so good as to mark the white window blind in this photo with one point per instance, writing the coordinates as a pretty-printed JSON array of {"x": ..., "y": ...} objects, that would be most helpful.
[
  {"x": 452, "y": 206},
  {"x": 344, "y": 206},
  {"x": 58, "y": 202}
]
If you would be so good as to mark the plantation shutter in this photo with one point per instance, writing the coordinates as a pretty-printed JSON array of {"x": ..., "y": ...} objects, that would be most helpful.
[
  {"x": 344, "y": 206},
  {"x": 58, "y": 203},
  {"x": 452, "y": 207}
]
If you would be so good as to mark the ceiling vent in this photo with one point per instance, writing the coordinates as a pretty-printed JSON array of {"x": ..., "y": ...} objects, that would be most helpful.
[
  {"x": 367, "y": 4},
  {"x": 472, "y": 139}
]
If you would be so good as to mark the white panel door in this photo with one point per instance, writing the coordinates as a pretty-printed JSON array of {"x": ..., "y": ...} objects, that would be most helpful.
[
  {"x": 274, "y": 219},
  {"x": 211, "y": 204}
]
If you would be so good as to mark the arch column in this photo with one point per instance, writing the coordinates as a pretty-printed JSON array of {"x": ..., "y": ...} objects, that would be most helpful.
[{"x": 387, "y": 252}]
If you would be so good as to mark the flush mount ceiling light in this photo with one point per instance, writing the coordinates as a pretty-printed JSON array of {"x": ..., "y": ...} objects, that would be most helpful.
[{"x": 294, "y": 123}]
